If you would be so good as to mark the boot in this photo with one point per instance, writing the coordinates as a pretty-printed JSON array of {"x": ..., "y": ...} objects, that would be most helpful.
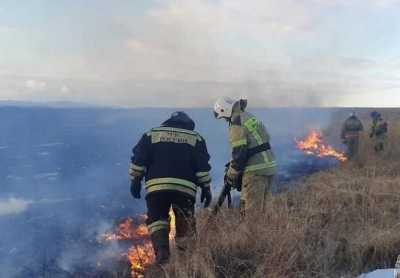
[
  {"x": 162, "y": 256},
  {"x": 160, "y": 243}
]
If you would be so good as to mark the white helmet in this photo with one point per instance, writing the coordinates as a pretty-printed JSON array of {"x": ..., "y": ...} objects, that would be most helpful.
[{"x": 223, "y": 107}]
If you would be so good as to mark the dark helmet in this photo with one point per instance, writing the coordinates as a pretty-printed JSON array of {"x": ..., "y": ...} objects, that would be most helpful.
[
  {"x": 180, "y": 119},
  {"x": 375, "y": 115}
]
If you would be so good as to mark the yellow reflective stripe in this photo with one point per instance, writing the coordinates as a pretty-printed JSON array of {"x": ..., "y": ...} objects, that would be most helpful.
[
  {"x": 265, "y": 157},
  {"x": 175, "y": 181},
  {"x": 252, "y": 124},
  {"x": 205, "y": 179},
  {"x": 135, "y": 173},
  {"x": 158, "y": 228},
  {"x": 138, "y": 168},
  {"x": 159, "y": 222},
  {"x": 239, "y": 143},
  {"x": 158, "y": 225},
  {"x": 174, "y": 129},
  {"x": 202, "y": 174},
  {"x": 260, "y": 166},
  {"x": 260, "y": 142},
  {"x": 172, "y": 136},
  {"x": 173, "y": 187}
]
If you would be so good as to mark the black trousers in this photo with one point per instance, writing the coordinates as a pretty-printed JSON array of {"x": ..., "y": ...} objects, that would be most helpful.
[{"x": 159, "y": 204}]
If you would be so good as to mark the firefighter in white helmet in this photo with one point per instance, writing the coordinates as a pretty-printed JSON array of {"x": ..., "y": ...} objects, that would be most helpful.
[{"x": 253, "y": 164}]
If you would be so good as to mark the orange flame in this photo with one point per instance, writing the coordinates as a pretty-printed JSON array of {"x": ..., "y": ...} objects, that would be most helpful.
[
  {"x": 172, "y": 224},
  {"x": 313, "y": 144},
  {"x": 127, "y": 231},
  {"x": 141, "y": 254}
]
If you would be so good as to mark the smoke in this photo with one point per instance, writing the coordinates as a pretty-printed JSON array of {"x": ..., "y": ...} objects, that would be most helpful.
[
  {"x": 56, "y": 219},
  {"x": 13, "y": 206},
  {"x": 75, "y": 254}
]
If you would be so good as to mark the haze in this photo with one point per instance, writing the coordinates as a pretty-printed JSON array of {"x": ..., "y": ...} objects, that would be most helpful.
[{"x": 189, "y": 52}]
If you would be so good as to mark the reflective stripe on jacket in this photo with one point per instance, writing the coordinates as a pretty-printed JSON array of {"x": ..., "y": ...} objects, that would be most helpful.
[
  {"x": 173, "y": 184},
  {"x": 352, "y": 128},
  {"x": 247, "y": 132},
  {"x": 172, "y": 159}
]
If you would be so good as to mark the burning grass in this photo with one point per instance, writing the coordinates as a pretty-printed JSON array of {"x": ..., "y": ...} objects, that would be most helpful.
[
  {"x": 314, "y": 144},
  {"x": 141, "y": 254},
  {"x": 336, "y": 223}
]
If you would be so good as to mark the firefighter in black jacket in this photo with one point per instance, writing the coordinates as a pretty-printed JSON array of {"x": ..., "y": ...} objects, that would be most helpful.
[{"x": 174, "y": 160}]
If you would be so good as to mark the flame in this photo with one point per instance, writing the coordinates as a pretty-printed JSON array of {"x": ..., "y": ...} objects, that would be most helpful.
[
  {"x": 172, "y": 224},
  {"x": 127, "y": 231},
  {"x": 313, "y": 144},
  {"x": 141, "y": 254}
]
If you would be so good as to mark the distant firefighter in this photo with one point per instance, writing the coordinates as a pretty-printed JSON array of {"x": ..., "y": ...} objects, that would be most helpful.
[
  {"x": 173, "y": 159},
  {"x": 253, "y": 164},
  {"x": 379, "y": 130},
  {"x": 351, "y": 131}
]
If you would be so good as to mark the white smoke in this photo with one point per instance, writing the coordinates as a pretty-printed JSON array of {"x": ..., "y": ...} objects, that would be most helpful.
[
  {"x": 13, "y": 206},
  {"x": 76, "y": 253}
]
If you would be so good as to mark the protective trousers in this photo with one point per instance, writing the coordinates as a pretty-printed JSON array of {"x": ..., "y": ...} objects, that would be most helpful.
[
  {"x": 158, "y": 221},
  {"x": 352, "y": 147},
  {"x": 256, "y": 190},
  {"x": 379, "y": 144}
]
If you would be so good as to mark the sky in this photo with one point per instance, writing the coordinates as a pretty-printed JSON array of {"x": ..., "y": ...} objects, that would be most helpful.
[{"x": 187, "y": 53}]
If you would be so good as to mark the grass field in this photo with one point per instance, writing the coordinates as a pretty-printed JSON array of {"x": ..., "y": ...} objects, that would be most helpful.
[{"x": 336, "y": 223}]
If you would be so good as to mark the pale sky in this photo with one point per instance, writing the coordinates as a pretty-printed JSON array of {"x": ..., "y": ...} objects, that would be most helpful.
[{"x": 189, "y": 52}]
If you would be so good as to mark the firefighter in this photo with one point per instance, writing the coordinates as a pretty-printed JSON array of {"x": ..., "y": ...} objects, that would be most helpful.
[
  {"x": 253, "y": 163},
  {"x": 351, "y": 131},
  {"x": 174, "y": 160},
  {"x": 379, "y": 129}
]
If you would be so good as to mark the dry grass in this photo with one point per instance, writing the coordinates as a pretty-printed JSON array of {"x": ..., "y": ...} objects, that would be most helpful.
[{"x": 337, "y": 223}]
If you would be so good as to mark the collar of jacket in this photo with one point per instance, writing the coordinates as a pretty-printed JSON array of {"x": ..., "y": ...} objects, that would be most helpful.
[
  {"x": 235, "y": 118},
  {"x": 179, "y": 123}
]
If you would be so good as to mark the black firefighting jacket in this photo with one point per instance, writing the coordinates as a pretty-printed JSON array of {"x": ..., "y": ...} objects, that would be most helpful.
[
  {"x": 172, "y": 157},
  {"x": 351, "y": 128}
]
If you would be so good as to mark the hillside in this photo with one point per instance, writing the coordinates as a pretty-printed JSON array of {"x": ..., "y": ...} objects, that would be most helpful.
[{"x": 336, "y": 223}]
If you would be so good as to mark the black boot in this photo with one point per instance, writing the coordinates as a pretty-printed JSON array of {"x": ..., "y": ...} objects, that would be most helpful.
[
  {"x": 160, "y": 243},
  {"x": 162, "y": 255}
]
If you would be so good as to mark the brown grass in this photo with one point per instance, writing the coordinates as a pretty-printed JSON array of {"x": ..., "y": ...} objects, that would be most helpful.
[{"x": 337, "y": 223}]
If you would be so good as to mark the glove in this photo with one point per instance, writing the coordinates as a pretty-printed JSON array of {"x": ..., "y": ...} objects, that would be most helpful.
[
  {"x": 229, "y": 181},
  {"x": 232, "y": 177},
  {"x": 136, "y": 187},
  {"x": 206, "y": 196}
]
